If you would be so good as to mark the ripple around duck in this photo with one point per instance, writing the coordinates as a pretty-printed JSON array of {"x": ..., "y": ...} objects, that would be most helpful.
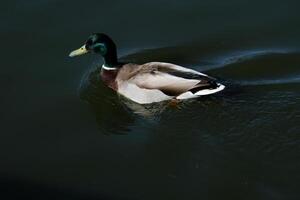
[
  {"x": 271, "y": 81},
  {"x": 243, "y": 55},
  {"x": 258, "y": 65}
]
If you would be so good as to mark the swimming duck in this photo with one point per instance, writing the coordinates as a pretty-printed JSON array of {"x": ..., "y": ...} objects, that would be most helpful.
[{"x": 150, "y": 82}]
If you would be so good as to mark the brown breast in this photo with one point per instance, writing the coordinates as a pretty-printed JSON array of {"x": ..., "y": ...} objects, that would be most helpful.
[{"x": 109, "y": 78}]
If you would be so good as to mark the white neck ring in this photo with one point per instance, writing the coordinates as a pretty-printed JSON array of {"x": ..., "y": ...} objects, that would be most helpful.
[{"x": 108, "y": 68}]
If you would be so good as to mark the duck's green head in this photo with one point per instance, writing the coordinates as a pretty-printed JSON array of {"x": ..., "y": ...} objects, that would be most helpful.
[{"x": 99, "y": 43}]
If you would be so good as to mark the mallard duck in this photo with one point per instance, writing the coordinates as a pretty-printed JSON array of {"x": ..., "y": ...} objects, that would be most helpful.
[{"x": 150, "y": 82}]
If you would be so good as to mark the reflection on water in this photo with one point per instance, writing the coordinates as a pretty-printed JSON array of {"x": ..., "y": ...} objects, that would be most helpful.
[{"x": 111, "y": 115}]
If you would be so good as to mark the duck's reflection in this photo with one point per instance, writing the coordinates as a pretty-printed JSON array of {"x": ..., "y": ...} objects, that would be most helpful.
[
  {"x": 114, "y": 114},
  {"x": 110, "y": 114}
]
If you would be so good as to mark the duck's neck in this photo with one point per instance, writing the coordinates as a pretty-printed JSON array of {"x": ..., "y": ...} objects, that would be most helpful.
[{"x": 111, "y": 59}]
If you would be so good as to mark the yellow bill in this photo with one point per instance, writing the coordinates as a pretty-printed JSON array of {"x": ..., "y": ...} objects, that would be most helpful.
[{"x": 82, "y": 50}]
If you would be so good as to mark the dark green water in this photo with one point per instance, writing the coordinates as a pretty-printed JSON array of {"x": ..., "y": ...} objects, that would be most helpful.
[{"x": 66, "y": 136}]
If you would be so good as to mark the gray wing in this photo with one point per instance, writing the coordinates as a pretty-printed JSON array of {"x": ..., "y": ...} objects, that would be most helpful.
[{"x": 170, "y": 79}]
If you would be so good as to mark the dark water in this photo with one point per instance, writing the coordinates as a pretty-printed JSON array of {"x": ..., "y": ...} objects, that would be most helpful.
[{"x": 66, "y": 136}]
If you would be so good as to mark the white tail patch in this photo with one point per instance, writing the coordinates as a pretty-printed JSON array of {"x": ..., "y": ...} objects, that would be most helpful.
[
  {"x": 210, "y": 91},
  {"x": 189, "y": 94},
  {"x": 186, "y": 95}
]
